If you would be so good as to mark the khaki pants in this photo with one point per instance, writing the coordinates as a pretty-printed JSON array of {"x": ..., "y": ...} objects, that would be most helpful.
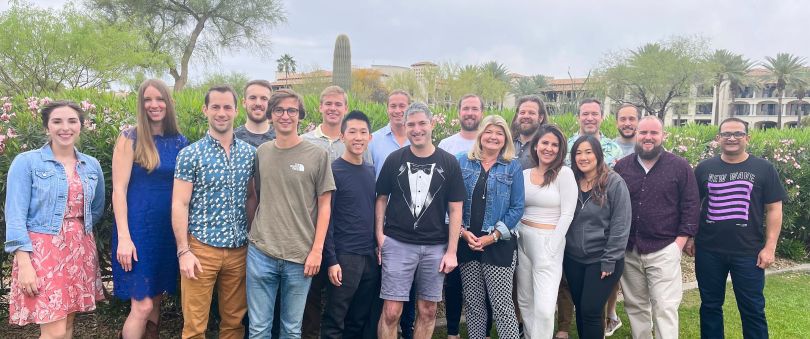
[
  {"x": 653, "y": 289},
  {"x": 225, "y": 269}
]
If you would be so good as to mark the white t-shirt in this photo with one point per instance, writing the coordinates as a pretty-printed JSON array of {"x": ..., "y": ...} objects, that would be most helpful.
[{"x": 455, "y": 144}]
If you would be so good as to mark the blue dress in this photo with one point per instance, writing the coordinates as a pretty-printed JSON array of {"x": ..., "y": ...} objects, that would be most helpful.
[{"x": 149, "y": 200}]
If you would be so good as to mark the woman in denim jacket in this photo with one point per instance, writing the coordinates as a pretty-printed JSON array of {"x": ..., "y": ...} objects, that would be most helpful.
[
  {"x": 54, "y": 196},
  {"x": 493, "y": 178}
]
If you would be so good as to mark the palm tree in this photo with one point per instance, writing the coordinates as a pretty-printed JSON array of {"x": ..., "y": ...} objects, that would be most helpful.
[
  {"x": 785, "y": 69},
  {"x": 800, "y": 86},
  {"x": 529, "y": 85},
  {"x": 496, "y": 70},
  {"x": 286, "y": 64},
  {"x": 726, "y": 66}
]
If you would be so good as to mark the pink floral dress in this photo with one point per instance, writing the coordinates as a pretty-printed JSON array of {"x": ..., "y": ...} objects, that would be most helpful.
[{"x": 67, "y": 270}]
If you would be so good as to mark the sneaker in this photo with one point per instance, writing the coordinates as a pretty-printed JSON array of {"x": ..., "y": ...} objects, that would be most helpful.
[{"x": 611, "y": 326}]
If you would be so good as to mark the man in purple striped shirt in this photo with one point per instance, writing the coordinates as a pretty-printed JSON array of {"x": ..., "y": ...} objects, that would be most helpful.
[
  {"x": 740, "y": 221},
  {"x": 664, "y": 195}
]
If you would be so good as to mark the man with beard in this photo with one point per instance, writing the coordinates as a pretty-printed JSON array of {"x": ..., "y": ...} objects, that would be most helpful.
[
  {"x": 627, "y": 122},
  {"x": 529, "y": 115},
  {"x": 665, "y": 200},
  {"x": 470, "y": 113},
  {"x": 740, "y": 193},
  {"x": 590, "y": 118},
  {"x": 257, "y": 128}
]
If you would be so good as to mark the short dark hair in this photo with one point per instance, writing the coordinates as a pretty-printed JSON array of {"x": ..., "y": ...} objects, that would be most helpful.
[
  {"x": 222, "y": 89},
  {"x": 282, "y": 94},
  {"x": 733, "y": 119},
  {"x": 51, "y": 106},
  {"x": 467, "y": 96},
  {"x": 259, "y": 82},
  {"x": 590, "y": 101},
  {"x": 354, "y": 115},
  {"x": 625, "y": 105}
]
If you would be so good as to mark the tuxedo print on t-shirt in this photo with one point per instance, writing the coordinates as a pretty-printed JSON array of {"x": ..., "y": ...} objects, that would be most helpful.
[{"x": 419, "y": 185}]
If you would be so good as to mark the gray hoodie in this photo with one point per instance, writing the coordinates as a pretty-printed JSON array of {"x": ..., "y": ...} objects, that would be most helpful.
[{"x": 599, "y": 233}]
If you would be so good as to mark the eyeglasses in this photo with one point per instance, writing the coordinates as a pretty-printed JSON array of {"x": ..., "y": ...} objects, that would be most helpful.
[
  {"x": 736, "y": 135},
  {"x": 279, "y": 111}
]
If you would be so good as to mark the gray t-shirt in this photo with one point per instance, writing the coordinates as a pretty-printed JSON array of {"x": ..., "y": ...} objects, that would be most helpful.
[
  {"x": 627, "y": 149},
  {"x": 289, "y": 183},
  {"x": 455, "y": 144},
  {"x": 254, "y": 139}
]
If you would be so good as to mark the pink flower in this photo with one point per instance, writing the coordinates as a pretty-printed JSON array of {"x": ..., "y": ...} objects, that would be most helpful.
[
  {"x": 44, "y": 101},
  {"x": 5, "y": 117},
  {"x": 7, "y": 107},
  {"x": 11, "y": 133},
  {"x": 682, "y": 148},
  {"x": 87, "y": 106}
]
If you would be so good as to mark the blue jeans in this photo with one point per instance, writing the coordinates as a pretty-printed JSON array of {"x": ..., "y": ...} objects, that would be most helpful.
[
  {"x": 748, "y": 280},
  {"x": 265, "y": 275}
]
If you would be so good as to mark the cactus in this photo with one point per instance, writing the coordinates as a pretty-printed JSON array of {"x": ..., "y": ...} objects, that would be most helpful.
[{"x": 342, "y": 63}]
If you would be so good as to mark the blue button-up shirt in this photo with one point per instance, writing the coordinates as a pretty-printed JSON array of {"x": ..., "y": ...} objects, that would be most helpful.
[
  {"x": 382, "y": 144},
  {"x": 37, "y": 192},
  {"x": 217, "y": 214},
  {"x": 610, "y": 149}
]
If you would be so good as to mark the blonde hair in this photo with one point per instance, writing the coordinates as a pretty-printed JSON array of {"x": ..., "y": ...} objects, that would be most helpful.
[
  {"x": 508, "y": 150},
  {"x": 146, "y": 154},
  {"x": 332, "y": 90}
]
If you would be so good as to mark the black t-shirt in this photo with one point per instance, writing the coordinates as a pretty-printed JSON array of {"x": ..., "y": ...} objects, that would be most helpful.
[
  {"x": 733, "y": 199},
  {"x": 497, "y": 254},
  {"x": 351, "y": 227},
  {"x": 418, "y": 191}
]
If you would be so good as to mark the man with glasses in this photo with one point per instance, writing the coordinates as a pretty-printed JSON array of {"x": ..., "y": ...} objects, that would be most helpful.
[
  {"x": 740, "y": 221},
  {"x": 294, "y": 187}
]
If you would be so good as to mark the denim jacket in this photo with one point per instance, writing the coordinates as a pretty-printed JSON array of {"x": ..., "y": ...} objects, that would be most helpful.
[
  {"x": 504, "y": 194},
  {"x": 36, "y": 195}
]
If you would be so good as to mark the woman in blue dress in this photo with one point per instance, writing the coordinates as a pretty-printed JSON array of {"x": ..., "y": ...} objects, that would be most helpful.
[{"x": 144, "y": 261}]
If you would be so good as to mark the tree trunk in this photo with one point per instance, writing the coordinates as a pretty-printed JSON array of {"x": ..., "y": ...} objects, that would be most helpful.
[
  {"x": 716, "y": 107},
  {"x": 779, "y": 112},
  {"x": 181, "y": 78}
]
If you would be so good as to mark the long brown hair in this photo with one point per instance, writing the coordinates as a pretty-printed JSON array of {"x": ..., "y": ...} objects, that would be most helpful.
[
  {"x": 146, "y": 153},
  {"x": 551, "y": 172},
  {"x": 599, "y": 187}
]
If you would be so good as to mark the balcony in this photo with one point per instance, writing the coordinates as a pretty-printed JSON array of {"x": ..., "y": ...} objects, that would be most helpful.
[{"x": 703, "y": 109}]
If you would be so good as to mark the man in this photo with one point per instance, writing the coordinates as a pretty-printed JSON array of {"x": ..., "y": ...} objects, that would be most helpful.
[
  {"x": 529, "y": 115},
  {"x": 333, "y": 106},
  {"x": 212, "y": 203},
  {"x": 257, "y": 128},
  {"x": 589, "y": 120},
  {"x": 417, "y": 186},
  {"x": 739, "y": 193},
  {"x": 294, "y": 188},
  {"x": 470, "y": 113},
  {"x": 349, "y": 247},
  {"x": 392, "y": 136},
  {"x": 665, "y": 202},
  {"x": 627, "y": 122}
]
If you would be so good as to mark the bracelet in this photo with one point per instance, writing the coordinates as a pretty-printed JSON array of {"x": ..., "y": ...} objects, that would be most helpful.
[
  {"x": 461, "y": 234},
  {"x": 183, "y": 252}
]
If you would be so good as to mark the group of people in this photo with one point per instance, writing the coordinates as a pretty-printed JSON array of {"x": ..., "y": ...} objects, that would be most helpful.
[{"x": 509, "y": 221}]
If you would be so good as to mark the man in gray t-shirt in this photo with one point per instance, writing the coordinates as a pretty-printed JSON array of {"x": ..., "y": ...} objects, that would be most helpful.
[
  {"x": 627, "y": 122},
  {"x": 257, "y": 128},
  {"x": 470, "y": 113}
]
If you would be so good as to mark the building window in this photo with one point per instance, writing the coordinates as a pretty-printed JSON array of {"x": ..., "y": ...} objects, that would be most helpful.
[
  {"x": 741, "y": 109},
  {"x": 703, "y": 109},
  {"x": 767, "y": 109},
  {"x": 769, "y": 91},
  {"x": 705, "y": 91},
  {"x": 746, "y": 92},
  {"x": 703, "y": 122}
]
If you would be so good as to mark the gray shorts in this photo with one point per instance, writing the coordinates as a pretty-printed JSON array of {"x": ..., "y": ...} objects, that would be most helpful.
[{"x": 403, "y": 264}]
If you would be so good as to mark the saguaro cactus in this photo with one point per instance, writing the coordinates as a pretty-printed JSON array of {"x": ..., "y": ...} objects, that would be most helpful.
[{"x": 342, "y": 63}]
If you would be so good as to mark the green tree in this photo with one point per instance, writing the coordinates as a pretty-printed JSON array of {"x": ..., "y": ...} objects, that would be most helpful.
[
  {"x": 406, "y": 81},
  {"x": 723, "y": 66},
  {"x": 653, "y": 74},
  {"x": 237, "y": 80},
  {"x": 286, "y": 64},
  {"x": 786, "y": 69},
  {"x": 800, "y": 89},
  {"x": 529, "y": 85},
  {"x": 181, "y": 29},
  {"x": 42, "y": 50}
]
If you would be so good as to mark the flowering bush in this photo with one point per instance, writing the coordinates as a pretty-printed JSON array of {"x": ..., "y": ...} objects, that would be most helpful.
[{"x": 109, "y": 113}]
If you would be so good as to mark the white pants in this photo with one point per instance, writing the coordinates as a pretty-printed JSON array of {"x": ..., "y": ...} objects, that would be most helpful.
[
  {"x": 538, "y": 279},
  {"x": 652, "y": 289}
]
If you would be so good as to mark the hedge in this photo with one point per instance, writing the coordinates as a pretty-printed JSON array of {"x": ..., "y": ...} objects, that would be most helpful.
[{"x": 109, "y": 113}]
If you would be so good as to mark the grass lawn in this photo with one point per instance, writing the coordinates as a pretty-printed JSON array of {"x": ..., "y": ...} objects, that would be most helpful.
[{"x": 788, "y": 311}]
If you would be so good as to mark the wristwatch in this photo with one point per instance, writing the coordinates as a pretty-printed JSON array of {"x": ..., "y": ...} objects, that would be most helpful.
[{"x": 495, "y": 236}]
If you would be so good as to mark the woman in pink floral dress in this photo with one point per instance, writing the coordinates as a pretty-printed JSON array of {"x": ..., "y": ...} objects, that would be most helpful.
[{"x": 54, "y": 196}]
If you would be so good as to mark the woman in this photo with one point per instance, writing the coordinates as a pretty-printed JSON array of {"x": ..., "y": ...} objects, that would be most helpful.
[
  {"x": 54, "y": 196},
  {"x": 595, "y": 243},
  {"x": 494, "y": 204},
  {"x": 144, "y": 261},
  {"x": 551, "y": 199}
]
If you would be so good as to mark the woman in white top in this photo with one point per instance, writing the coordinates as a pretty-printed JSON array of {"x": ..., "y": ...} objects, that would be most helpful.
[{"x": 551, "y": 198}]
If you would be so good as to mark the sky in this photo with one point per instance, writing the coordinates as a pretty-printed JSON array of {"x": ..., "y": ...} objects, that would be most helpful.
[{"x": 552, "y": 38}]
